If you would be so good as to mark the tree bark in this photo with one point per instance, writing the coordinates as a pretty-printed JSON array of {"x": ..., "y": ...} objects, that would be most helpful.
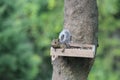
[{"x": 81, "y": 18}]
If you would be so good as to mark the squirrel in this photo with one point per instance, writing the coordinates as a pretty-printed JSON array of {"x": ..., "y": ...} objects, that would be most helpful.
[
  {"x": 63, "y": 40},
  {"x": 56, "y": 44}
]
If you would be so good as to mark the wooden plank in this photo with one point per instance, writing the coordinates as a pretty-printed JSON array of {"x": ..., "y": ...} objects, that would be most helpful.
[
  {"x": 73, "y": 53},
  {"x": 87, "y": 51}
]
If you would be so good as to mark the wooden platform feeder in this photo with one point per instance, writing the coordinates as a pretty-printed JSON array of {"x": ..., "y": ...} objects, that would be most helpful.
[{"x": 84, "y": 50}]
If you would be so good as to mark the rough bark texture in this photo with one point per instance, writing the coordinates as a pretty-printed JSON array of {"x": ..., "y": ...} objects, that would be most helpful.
[{"x": 81, "y": 18}]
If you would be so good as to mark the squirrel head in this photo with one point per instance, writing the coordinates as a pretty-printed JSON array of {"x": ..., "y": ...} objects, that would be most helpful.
[{"x": 55, "y": 43}]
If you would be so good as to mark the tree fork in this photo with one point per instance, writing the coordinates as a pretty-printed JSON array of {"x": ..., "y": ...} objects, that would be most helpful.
[{"x": 81, "y": 18}]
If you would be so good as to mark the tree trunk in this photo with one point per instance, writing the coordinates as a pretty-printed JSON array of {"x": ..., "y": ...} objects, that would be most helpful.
[{"x": 81, "y": 18}]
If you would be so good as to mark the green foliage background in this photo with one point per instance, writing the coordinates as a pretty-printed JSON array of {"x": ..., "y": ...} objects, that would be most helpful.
[{"x": 28, "y": 26}]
